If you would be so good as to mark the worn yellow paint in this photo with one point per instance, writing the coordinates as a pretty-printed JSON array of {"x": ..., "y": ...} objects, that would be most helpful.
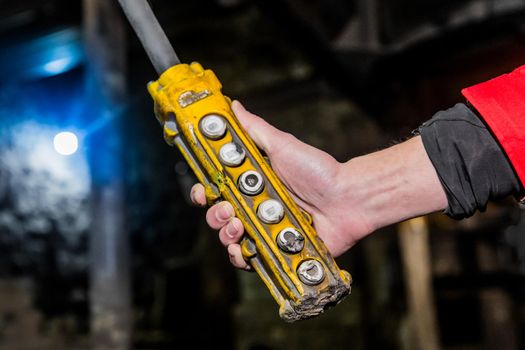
[{"x": 276, "y": 268}]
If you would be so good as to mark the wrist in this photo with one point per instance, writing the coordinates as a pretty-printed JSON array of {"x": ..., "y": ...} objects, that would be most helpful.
[{"x": 391, "y": 185}]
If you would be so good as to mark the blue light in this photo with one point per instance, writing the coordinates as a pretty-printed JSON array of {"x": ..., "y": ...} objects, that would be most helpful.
[
  {"x": 58, "y": 66},
  {"x": 42, "y": 55},
  {"x": 66, "y": 143}
]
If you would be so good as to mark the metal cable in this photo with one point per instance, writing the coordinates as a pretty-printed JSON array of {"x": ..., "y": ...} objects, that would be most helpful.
[{"x": 150, "y": 33}]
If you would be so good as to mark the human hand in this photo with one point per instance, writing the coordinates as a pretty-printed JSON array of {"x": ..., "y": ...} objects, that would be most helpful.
[{"x": 312, "y": 177}]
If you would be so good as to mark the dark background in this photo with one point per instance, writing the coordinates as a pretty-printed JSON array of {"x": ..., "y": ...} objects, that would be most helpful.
[{"x": 103, "y": 250}]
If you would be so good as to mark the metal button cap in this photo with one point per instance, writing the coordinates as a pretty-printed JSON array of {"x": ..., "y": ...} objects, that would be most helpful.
[
  {"x": 290, "y": 240},
  {"x": 232, "y": 154},
  {"x": 251, "y": 183},
  {"x": 213, "y": 126},
  {"x": 311, "y": 272},
  {"x": 270, "y": 211}
]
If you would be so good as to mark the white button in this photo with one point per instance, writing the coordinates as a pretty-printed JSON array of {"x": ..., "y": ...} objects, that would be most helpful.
[
  {"x": 232, "y": 154},
  {"x": 311, "y": 272},
  {"x": 213, "y": 126},
  {"x": 270, "y": 211},
  {"x": 290, "y": 240},
  {"x": 251, "y": 183}
]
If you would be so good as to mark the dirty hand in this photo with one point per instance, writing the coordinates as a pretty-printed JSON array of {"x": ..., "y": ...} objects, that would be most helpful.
[{"x": 312, "y": 177}]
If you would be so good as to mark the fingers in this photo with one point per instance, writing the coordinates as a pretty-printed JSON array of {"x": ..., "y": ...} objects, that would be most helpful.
[
  {"x": 265, "y": 136},
  {"x": 198, "y": 195},
  {"x": 234, "y": 252},
  {"x": 231, "y": 232},
  {"x": 219, "y": 215}
]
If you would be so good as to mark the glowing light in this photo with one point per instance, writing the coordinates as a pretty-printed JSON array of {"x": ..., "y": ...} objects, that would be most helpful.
[
  {"x": 66, "y": 143},
  {"x": 58, "y": 66}
]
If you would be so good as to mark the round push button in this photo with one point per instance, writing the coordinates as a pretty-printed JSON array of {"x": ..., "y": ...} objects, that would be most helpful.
[
  {"x": 311, "y": 272},
  {"x": 290, "y": 240},
  {"x": 232, "y": 154},
  {"x": 213, "y": 126},
  {"x": 270, "y": 211},
  {"x": 251, "y": 183}
]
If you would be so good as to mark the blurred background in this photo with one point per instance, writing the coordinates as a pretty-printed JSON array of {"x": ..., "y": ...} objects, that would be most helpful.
[{"x": 99, "y": 247}]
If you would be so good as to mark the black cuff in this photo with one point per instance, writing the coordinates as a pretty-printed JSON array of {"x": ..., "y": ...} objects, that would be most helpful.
[{"x": 470, "y": 164}]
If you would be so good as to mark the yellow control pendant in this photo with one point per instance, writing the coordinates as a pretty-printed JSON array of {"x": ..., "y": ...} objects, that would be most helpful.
[{"x": 280, "y": 243}]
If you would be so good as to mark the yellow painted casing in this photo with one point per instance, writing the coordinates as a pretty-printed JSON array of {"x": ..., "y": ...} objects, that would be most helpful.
[{"x": 184, "y": 95}]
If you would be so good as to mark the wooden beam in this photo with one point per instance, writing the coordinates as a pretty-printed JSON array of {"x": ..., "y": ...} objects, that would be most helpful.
[{"x": 415, "y": 253}]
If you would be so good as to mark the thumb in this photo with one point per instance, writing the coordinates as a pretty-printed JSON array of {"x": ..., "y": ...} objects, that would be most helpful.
[{"x": 265, "y": 136}]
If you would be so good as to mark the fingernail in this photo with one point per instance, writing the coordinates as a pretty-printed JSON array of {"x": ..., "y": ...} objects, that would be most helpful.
[
  {"x": 231, "y": 230},
  {"x": 194, "y": 198},
  {"x": 224, "y": 212}
]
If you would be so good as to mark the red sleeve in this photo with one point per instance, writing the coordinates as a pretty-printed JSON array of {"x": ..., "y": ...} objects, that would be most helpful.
[{"x": 501, "y": 103}]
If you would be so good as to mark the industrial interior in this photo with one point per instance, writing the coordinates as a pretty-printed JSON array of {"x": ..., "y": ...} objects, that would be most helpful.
[{"x": 100, "y": 245}]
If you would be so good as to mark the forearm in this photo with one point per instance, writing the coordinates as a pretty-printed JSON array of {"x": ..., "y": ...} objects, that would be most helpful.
[
  {"x": 454, "y": 165},
  {"x": 394, "y": 184}
]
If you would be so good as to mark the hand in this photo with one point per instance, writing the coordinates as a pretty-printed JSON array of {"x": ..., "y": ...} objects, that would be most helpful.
[{"x": 313, "y": 178}]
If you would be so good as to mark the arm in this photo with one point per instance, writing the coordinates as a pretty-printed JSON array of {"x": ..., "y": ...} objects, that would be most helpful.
[
  {"x": 348, "y": 200},
  {"x": 394, "y": 184},
  {"x": 455, "y": 165}
]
